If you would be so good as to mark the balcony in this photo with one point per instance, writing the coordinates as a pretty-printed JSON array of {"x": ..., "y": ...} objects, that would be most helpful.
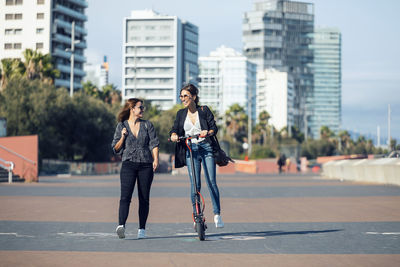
[
  {"x": 67, "y": 40},
  {"x": 81, "y": 3},
  {"x": 67, "y": 55},
  {"x": 65, "y": 83},
  {"x": 70, "y": 12},
  {"x": 67, "y": 26},
  {"x": 67, "y": 69}
]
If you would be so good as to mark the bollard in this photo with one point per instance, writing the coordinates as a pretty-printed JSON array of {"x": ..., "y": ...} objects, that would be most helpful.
[{"x": 10, "y": 172}]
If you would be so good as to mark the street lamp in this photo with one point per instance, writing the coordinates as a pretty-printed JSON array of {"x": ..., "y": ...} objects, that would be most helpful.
[{"x": 72, "y": 50}]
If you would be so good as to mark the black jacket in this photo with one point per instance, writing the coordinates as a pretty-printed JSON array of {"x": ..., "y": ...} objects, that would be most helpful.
[{"x": 207, "y": 122}]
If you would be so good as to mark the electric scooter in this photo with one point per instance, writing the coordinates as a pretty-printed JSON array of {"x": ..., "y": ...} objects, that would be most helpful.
[{"x": 198, "y": 215}]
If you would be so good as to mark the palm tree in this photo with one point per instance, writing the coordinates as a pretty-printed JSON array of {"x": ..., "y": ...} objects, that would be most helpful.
[
  {"x": 39, "y": 66},
  {"x": 345, "y": 140},
  {"x": 326, "y": 133},
  {"x": 10, "y": 68},
  {"x": 263, "y": 118},
  {"x": 111, "y": 94},
  {"x": 236, "y": 122}
]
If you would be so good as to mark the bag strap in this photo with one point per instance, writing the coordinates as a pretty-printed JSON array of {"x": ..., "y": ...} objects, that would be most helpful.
[{"x": 216, "y": 141}]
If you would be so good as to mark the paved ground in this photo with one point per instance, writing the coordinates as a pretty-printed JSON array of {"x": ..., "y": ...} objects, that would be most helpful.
[{"x": 270, "y": 220}]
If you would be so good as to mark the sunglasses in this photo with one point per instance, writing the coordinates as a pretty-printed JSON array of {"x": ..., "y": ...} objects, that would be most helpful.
[
  {"x": 184, "y": 96},
  {"x": 142, "y": 108}
]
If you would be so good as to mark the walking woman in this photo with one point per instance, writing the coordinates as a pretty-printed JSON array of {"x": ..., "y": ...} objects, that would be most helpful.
[
  {"x": 192, "y": 120},
  {"x": 136, "y": 140}
]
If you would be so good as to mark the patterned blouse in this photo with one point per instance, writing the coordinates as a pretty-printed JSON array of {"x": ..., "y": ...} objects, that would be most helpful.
[{"x": 136, "y": 149}]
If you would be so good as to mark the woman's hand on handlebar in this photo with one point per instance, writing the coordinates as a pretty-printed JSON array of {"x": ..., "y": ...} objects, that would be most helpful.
[
  {"x": 203, "y": 133},
  {"x": 174, "y": 137}
]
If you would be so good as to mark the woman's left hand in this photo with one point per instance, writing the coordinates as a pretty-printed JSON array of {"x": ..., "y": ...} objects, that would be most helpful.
[
  {"x": 203, "y": 133},
  {"x": 155, "y": 165}
]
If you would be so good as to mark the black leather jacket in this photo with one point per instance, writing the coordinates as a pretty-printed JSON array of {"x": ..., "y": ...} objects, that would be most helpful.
[{"x": 207, "y": 122}]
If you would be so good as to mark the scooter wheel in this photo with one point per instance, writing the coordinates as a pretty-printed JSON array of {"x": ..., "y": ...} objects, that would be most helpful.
[{"x": 200, "y": 230}]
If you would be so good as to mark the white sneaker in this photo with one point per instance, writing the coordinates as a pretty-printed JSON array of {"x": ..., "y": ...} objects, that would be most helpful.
[
  {"x": 141, "y": 233},
  {"x": 120, "y": 231},
  {"x": 218, "y": 221}
]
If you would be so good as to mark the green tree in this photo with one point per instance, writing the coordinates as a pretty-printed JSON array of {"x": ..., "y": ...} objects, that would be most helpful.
[
  {"x": 326, "y": 133},
  {"x": 297, "y": 134},
  {"x": 111, "y": 95},
  {"x": 316, "y": 148},
  {"x": 91, "y": 89},
  {"x": 236, "y": 124},
  {"x": 163, "y": 122},
  {"x": 71, "y": 129},
  {"x": 261, "y": 128},
  {"x": 39, "y": 66},
  {"x": 10, "y": 68},
  {"x": 345, "y": 142}
]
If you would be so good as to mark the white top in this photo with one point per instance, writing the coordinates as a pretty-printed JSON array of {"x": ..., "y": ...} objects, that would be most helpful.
[{"x": 193, "y": 129}]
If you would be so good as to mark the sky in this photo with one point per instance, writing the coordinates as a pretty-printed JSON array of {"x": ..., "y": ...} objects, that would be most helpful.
[{"x": 370, "y": 47}]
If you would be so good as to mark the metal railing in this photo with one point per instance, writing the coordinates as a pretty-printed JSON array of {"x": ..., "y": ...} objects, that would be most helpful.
[
  {"x": 18, "y": 155},
  {"x": 9, "y": 169}
]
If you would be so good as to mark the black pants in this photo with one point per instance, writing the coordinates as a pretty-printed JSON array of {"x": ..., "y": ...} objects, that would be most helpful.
[{"x": 130, "y": 172}]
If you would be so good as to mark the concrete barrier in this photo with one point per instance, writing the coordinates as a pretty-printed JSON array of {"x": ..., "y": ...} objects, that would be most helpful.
[
  {"x": 23, "y": 152},
  {"x": 383, "y": 171}
]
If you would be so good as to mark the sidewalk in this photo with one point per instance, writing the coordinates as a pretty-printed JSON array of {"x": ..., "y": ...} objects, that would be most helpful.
[{"x": 287, "y": 220}]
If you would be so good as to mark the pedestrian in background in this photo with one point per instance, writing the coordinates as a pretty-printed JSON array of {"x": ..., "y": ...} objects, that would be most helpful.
[{"x": 281, "y": 162}]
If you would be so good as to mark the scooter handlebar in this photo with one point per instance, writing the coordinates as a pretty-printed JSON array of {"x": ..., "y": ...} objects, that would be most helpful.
[{"x": 183, "y": 138}]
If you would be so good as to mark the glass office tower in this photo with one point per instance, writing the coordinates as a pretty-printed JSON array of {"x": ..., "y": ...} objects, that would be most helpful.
[
  {"x": 327, "y": 80},
  {"x": 277, "y": 35}
]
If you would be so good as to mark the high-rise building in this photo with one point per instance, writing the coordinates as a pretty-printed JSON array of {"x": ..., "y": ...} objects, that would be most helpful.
[
  {"x": 327, "y": 80},
  {"x": 160, "y": 55},
  {"x": 104, "y": 73},
  {"x": 275, "y": 95},
  {"x": 46, "y": 26},
  {"x": 97, "y": 74},
  {"x": 277, "y": 35},
  {"x": 226, "y": 78}
]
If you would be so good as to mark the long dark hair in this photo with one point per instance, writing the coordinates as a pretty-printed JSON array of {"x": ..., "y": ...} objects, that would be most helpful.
[
  {"x": 124, "y": 113},
  {"x": 193, "y": 91}
]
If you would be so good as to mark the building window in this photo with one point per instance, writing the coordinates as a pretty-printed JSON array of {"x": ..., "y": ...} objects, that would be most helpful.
[
  {"x": 40, "y": 15},
  {"x": 8, "y": 31},
  {"x": 39, "y": 30},
  {"x": 39, "y": 45},
  {"x": 18, "y": 16},
  {"x": 40, "y": 2},
  {"x": 7, "y": 46},
  {"x": 17, "y": 31},
  {"x": 9, "y": 16},
  {"x": 13, "y": 2},
  {"x": 17, "y": 46}
]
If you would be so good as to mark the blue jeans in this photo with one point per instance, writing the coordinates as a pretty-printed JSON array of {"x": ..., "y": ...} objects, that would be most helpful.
[{"x": 202, "y": 153}]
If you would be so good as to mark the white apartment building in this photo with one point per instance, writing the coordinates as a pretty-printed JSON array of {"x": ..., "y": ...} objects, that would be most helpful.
[
  {"x": 97, "y": 74},
  {"x": 275, "y": 94},
  {"x": 160, "y": 55},
  {"x": 45, "y": 25},
  {"x": 226, "y": 78}
]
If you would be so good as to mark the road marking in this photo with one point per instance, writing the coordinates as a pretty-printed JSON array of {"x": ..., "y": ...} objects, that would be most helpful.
[
  {"x": 376, "y": 233},
  {"x": 72, "y": 234},
  {"x": 225, "y": 237},
  {"x": 16, "y": 235},
  {"x": 235, "y": 237}
]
